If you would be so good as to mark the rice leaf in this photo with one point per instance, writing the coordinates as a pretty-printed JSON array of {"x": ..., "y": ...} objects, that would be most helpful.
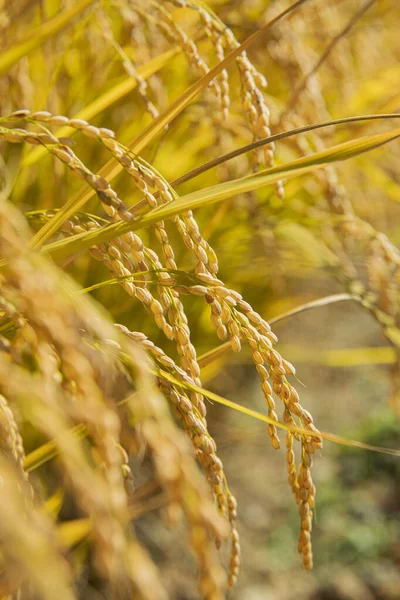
[{"x": 61, "y": 249}]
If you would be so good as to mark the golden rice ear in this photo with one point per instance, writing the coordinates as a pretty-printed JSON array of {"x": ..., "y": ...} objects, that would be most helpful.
[
  {"x": 77, "y": 394},
  {"x": 116, "y": 422}
]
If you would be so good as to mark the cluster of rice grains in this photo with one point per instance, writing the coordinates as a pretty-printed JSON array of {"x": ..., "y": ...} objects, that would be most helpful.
[
  {"x": 63, "y": 352},
  {"x": 232, "y": 317},
  {"x": 113, "y": 382}
]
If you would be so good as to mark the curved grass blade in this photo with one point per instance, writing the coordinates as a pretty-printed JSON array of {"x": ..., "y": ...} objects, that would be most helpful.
[
  {"x": 75, "y": 203},
  {"x": 268, "y": 140},
  {"x": 73, "y": 532},
  {"x": 274, "y": 138},
  {"x": 49, "y": 450},
  {"x": 330, "y": 437},
  {"x": 63, "y": 248}
]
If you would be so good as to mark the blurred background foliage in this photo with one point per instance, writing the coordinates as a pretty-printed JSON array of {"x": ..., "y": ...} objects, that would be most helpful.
[{"x": 279, "y": 253}]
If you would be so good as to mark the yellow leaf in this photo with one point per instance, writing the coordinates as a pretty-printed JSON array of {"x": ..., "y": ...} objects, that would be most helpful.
[
  {"x": 72, "y": 532},
  {"x": 204, "y": 197}
]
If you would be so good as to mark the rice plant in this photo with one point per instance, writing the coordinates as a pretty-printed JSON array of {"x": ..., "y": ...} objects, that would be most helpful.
[{"x": 156, "y": 194}]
